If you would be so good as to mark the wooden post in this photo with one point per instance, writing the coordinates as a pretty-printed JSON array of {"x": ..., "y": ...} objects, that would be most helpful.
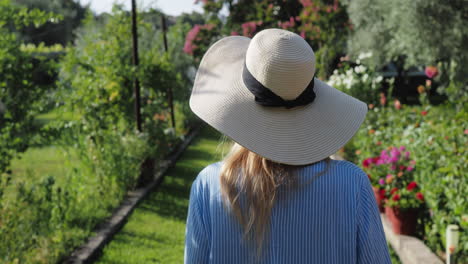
[
  {"x": 136, "y": 83},
  {"x": 169, "y": 89}
]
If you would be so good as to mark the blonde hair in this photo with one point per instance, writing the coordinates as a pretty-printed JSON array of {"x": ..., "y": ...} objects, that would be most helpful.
[{"x": 257, "y": 179}]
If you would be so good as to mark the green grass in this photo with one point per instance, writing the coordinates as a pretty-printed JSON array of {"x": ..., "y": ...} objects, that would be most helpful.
[
  {"x": 43, "y": 161},
  {"x": 155, "y": 231}
]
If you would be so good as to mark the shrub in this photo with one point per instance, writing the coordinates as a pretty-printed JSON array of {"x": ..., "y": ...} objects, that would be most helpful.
[{"x": 359, "y": 80}]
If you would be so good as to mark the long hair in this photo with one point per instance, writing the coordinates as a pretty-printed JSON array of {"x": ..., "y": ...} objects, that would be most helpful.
[{"x": 257, "y": 179}]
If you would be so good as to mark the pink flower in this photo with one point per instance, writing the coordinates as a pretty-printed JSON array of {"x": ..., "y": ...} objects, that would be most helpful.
[
  {"x": 249, "y": 28},
  {"x": 192, "y": 34},
  {"x": 383, "y": 99},
  {"x": 407, "y": 154},
  {"x": 306, "y": 3},
  {"x": 188, "y": 48},
  {"x": 397, "y": 104},
  {"x": 303, "y": 35},
  {"x": 335, "y": 5},
  {"x": 234, "y": 33},
  {"x": 431, "y": 71},
  {"x": 381, "y": 181},
  {"x": 466, "y": 132},
  {"x": 410, "y": 168},
  {"x": 208, "y": 26}
]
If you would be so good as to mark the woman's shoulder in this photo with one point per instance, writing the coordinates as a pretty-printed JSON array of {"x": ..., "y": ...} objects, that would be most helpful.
[
  {"x": 208, "y": 177},
  {"x": 340, "y": 169}
]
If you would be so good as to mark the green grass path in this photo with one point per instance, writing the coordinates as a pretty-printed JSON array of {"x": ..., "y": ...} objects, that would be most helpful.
[{"x": 155, "y": 232}]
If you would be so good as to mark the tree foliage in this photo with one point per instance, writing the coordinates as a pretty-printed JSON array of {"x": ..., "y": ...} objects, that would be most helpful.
[
  {"x": 60, "y": 32},
  {"x": 18, "y": 91},
  {"x": 322, "y": 23},
  {"x": 417, "y": 32}
]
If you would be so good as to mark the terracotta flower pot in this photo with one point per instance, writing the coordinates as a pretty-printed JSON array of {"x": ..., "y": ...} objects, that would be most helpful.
[
  {"x": 403, "y": 221},
  {"x": 379, "y": 199}
]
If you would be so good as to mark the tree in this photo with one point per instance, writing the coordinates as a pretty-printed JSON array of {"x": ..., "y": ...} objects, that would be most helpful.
[
  {"x": 417, "y": 32},
  {"x": 50, "y": 33},
  {"x": 18, "y": 91}
]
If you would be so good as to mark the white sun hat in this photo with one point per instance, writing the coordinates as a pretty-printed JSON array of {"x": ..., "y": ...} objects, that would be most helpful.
[{"x": 262, "y": 93}]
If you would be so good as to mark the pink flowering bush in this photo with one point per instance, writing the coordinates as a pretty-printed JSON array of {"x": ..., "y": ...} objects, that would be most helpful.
[
  {"x": 323, "y": 24},
  {"x": 198, "y": 40},
  {"x": 250, "y": 28}
]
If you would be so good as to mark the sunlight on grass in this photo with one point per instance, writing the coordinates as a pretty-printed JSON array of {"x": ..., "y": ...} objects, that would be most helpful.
[
  {"x": 155, "y": 232},
  {"x": 43, "y": 161}
]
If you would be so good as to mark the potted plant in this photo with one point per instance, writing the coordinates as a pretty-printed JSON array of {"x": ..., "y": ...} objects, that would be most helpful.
[{"x": 403, "y": 195}]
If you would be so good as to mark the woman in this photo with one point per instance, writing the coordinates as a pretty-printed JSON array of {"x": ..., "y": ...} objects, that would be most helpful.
[{"x": 277, "y": 197}]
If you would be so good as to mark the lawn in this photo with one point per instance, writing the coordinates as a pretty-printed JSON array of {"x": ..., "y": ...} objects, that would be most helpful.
[
  {"x": 155, "y": 232},
  {"x": 46, "y": 158}
]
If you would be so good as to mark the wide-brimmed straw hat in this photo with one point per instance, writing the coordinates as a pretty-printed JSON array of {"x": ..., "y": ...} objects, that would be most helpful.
[{"x": 262, "y": 93}]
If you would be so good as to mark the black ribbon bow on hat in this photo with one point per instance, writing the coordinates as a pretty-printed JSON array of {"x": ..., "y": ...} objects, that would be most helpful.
[{"x": 266, "y": 97}]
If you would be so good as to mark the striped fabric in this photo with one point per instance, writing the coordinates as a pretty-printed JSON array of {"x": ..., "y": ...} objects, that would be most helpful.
[{"x": 332, "y": 220}]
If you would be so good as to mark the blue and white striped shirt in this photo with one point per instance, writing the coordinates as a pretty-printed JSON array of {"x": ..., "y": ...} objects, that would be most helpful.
[{"x": 334, "y": 219}]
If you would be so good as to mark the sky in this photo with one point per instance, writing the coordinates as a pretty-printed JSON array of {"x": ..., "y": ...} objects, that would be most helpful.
[{"x": 169, "y": 7}]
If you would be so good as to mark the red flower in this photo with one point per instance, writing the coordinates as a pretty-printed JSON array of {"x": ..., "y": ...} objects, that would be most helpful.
[
  {"x": 402, "y": 167},
  {"x": 420, "y": 196},
  {"x": 382, "y": 193},
  {"x": 423, "y": 113},
  {"x": 394, "y": 190},
  {"x": 396, "y": 197},
  {"x": 411, "y": 186},
  {"x": 375, "y": 159},
  {"x": 367, "y": 162}
]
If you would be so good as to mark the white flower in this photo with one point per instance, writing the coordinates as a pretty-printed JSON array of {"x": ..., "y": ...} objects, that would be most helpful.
[
  {"x": 360, "y": 69},
  {"x": 365, "y": 55},
  {"x": 364, "y": 77},
  {"x": 379, "y": 79}
]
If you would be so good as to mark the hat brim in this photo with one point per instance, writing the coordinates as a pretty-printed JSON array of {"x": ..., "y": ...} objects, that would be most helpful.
[{"x": 297, "y": 136}]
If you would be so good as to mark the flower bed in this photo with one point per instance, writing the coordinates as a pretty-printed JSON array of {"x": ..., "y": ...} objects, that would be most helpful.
[{"x": 437, "y": 138}]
